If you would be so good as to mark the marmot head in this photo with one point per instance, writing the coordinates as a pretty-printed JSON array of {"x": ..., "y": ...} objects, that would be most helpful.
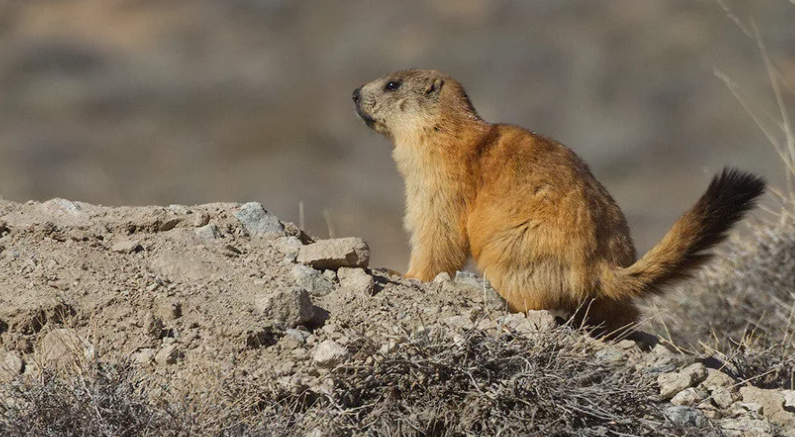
[{"x": 412, "y": 101}]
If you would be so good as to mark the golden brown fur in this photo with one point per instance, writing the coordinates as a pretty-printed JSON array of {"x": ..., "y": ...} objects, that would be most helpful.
[{"x": 540, "y": 227}]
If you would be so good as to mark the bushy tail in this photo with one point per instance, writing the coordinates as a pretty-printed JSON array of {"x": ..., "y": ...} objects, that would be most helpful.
[{"x": 729, "y": 196}]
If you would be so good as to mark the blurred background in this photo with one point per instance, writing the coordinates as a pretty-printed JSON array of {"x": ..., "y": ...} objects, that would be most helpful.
[{"x": 193, "y": 101}]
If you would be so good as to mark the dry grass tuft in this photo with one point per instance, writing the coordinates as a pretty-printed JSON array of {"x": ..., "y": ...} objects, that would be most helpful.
[{"x": 549, "y": 384}]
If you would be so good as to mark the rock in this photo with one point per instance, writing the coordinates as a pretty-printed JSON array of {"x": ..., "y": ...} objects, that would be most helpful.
[
  {"x": 153, "y": 325},
  {"x": 674, "y": 382},
  {"x": 64, "y": 350},
  {"x": 709, "y": 410},
  {"x": 662, "y": 350},
  {"x": 288, "y": 246},
  {"x": 772, "y": 402},
  {"x": 789, "y": 398},
  {"x": 257, "y": 221},
  {"x": 716, "y": 379},
  {"x": 356, "y": 280},
  {"x": 291, "y": 307},
  {"x": 169, "y": 223},
  {"x": 289, "y": 342},
  {"x": 610, "y": 354},
  {"x": 626, "y": 344},
  {"x": 696, "y": 372},
  {"x": 685, "y": 416},
  {"x": 442, "y": 278},
  {"x": 170, "y": 354},
  {"x": 722, "y": 397},
  {"x": 530, "y": 322},
  {"x": 201, "y": 219},
  {"x": 331, "y": 275},
  {"x": 329, "y": 354},
  {"x": 143, "y": 357},
  {"x": 336, "y": 253},
  {"x": 300, "y": 336},
  {"x": 689, "y": 396},
  {"x": 749, "y": 409},
  {"x": 68, "y": 212},
  {"x": 11, "y": 366},
  {"x": 207, "y": 232},
  {"x": 312, "y": 280},
  {"x": 128, "y": 246}
]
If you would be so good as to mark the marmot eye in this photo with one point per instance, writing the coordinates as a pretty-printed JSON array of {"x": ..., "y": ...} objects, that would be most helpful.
[{"x": 392, "y": 85}]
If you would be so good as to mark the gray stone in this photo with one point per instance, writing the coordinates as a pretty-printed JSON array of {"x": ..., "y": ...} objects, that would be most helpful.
[
  {"x": 772, "y": 402},
  {"x": 257, "y": 221},
  {"x": 329, "y": 353},
  {"x": 356, "y": 280},
  {"x": 128, "y": 246},
  {"x": 11, "y": 366},
  {"x": 291, "y": 307},
  {"x": 689, "y": 396},
  {"x": 312, "y": 280},
  {"x": 64, "y": 350},
  {"x": 297, "y": 334},
  {"x": 335, "y": 253},
  {"x": 674, "y": 382},
  {"x": 685, "y": 416},
  {"x": 207, "y": 232},
  {"x": 170, "y": 354}
]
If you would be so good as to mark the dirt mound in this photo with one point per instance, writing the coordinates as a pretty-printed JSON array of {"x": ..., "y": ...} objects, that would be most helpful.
[
  {"x": 220, "y": 319},
  {"x": 217, "y": 281}
]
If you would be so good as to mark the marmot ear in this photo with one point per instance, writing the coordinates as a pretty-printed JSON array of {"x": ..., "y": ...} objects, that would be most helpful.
[{"x": 434, "y": 87}]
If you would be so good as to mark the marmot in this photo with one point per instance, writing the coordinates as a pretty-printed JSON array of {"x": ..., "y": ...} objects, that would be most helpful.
[{"x": 540, "y": 227}]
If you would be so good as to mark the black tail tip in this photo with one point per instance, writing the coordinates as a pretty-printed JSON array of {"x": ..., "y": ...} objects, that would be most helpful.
[
  {"x": 741, "y": 184},
  {"x": 733, "y": 192}
]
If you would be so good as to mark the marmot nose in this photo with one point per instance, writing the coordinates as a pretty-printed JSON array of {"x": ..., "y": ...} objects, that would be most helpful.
[{"x": 357, "y": 95}]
